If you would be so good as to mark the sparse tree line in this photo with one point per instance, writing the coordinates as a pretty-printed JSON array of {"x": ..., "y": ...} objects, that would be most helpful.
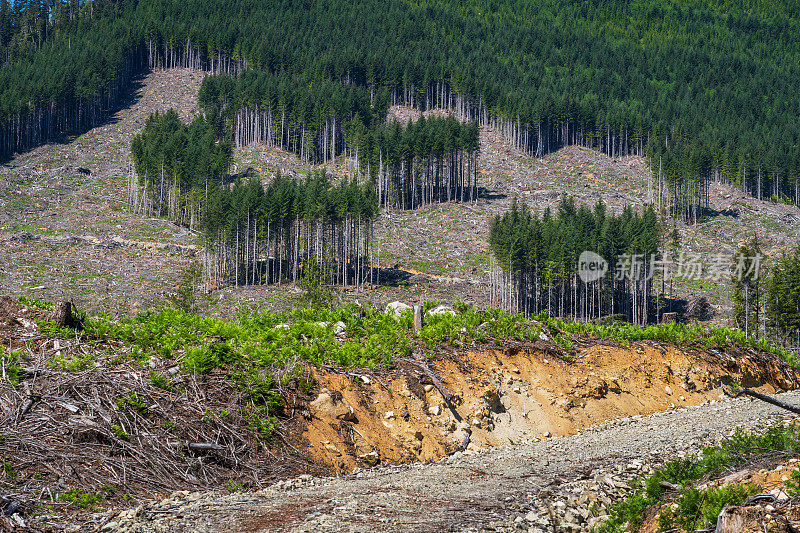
[
  {"x": 782, "y": 297},
  {"x": 768, "y": 301},
  {"x": 260, "y": 235},
  {"x": 535, "y": 261},
  {"x": 309, "y": 117},
  {"x": 253, "y": 234},
  {"x": 177, "y": 168},
  {"x": 429, "y": 160}
]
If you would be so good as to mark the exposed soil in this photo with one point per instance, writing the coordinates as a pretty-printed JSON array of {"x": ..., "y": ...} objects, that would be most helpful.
[
  {"x": 519, "y": 394},
  {"x": 489, "y": 490}
]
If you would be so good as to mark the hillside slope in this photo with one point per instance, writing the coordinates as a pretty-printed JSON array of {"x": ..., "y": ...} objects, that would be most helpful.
[{"x": 71, "y": 235}]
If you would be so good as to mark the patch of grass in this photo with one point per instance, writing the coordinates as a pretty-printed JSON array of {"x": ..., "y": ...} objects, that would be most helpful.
[
  {"x": 8, "y": 470},
  {"x": 133, "y": 401},
  {"x": 38, "y": 304},
  {"x": 696, "y": 508},
  {"x": 120, "y": 433},
  {"x": 160, "y": 381},
  {"x": 71, "y": 362}
]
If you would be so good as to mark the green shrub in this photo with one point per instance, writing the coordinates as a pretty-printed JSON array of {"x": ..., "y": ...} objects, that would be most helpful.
[
  {"x": 695, "y": 508},
  {"x": 81, "y": 500}
]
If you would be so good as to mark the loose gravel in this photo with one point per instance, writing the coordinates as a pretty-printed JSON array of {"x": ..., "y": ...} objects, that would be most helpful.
[{"x": 559, "y": 484}]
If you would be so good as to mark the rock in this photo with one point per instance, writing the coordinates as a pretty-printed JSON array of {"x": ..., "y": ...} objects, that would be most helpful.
[
  {"x": 435, "y": 410},
  {"x": 389, "y": 415},
  {"x": 397, "y": 308},
  {"x": 370, "y": 459},
  {"x": 428, "y": 387},
  {"x": 543, "y": 337},
  {"x": 440, "y": 310},
  {"x": 339, "y": 328},
  {"x": 331, "y": 405},
  {"x": 668, "y": 390},
  {"x": 365, "y": 380},
  {"x": 109, "y": 526},
  {"x": 282, "y": 326}
]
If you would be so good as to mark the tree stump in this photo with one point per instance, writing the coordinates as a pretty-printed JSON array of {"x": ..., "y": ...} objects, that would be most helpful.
[
  {"x": 417, "y": 319},
  {"x": 62, "y": 315}
]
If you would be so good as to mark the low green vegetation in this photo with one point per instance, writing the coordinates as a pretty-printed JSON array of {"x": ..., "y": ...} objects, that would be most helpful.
[
  {"x": 692, "y": 508},
  {"x": 77, "y": 499},
  {"x": 247, "y": 346},
  {"x": 10, "y": 369}
]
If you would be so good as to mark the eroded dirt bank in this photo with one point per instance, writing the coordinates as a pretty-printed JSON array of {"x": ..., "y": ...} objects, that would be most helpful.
[{"x": 427, "y": 409}]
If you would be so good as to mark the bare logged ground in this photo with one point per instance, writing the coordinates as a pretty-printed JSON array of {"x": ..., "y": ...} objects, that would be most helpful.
[
  {"x": 56, "y": 223},
  {"x": 68, "y": 234}
]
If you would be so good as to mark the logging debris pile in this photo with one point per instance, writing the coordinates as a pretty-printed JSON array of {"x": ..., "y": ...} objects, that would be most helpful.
[{"x": 86, "y": 428}]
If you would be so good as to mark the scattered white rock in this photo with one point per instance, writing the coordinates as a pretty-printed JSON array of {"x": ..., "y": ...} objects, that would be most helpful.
[
  {"x": 441, "y": 310},
  {"x": 339, "y": 328},
  {"x": 397, "y": 308}
]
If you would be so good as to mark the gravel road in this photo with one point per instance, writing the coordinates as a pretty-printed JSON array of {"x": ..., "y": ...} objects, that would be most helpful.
[{"x": 483, "y": 491}]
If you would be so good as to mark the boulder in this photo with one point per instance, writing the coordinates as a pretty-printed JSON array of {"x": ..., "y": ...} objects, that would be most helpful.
[
  {"x": 397, "y": 308},
  {"x": 339, "y": 328},
  {"x": 441, "y": 310},
  {"x": 331, "y": 405}
]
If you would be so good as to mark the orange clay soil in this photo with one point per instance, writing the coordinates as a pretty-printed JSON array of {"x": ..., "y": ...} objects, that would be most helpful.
[{"x": 506, "y": 396}]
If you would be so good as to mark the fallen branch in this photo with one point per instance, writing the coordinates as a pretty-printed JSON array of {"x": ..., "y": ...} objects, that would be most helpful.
[{"x": 766, "y": 398}]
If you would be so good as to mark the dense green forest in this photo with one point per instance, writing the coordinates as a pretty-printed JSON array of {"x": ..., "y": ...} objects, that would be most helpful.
[
  {"x": 254, "y": 234},
  {"x": 706, "y": 88},
  {"x": 177, "y": 167},
  {"x": 536, "y": 261}
]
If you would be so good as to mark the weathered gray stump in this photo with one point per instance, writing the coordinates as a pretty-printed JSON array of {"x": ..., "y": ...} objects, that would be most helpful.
[{"x": 418, "y": 321}]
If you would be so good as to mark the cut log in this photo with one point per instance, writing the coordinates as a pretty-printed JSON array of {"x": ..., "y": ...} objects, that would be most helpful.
[{"x": 418, "y": 321}]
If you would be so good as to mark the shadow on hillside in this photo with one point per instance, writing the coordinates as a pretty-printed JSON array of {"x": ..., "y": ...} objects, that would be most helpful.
[
  {"x": 486, "y": 194},
  {"x": 126, "y": 99},
  {"x": 392, "y": 276}
]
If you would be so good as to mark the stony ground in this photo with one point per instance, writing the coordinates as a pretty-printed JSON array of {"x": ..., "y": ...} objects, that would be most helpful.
[{"x": 544, "y": 486}]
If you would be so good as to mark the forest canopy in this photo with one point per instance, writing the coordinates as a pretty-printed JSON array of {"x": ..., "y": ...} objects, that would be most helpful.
[{"x": 706, "y": 88}]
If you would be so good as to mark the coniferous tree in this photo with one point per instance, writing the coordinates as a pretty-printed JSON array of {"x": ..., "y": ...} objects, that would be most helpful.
[
  {"x": 536, "y": 261},
  {"x": 782, "y": 299},
  {"x": 747, "y": 287}
]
